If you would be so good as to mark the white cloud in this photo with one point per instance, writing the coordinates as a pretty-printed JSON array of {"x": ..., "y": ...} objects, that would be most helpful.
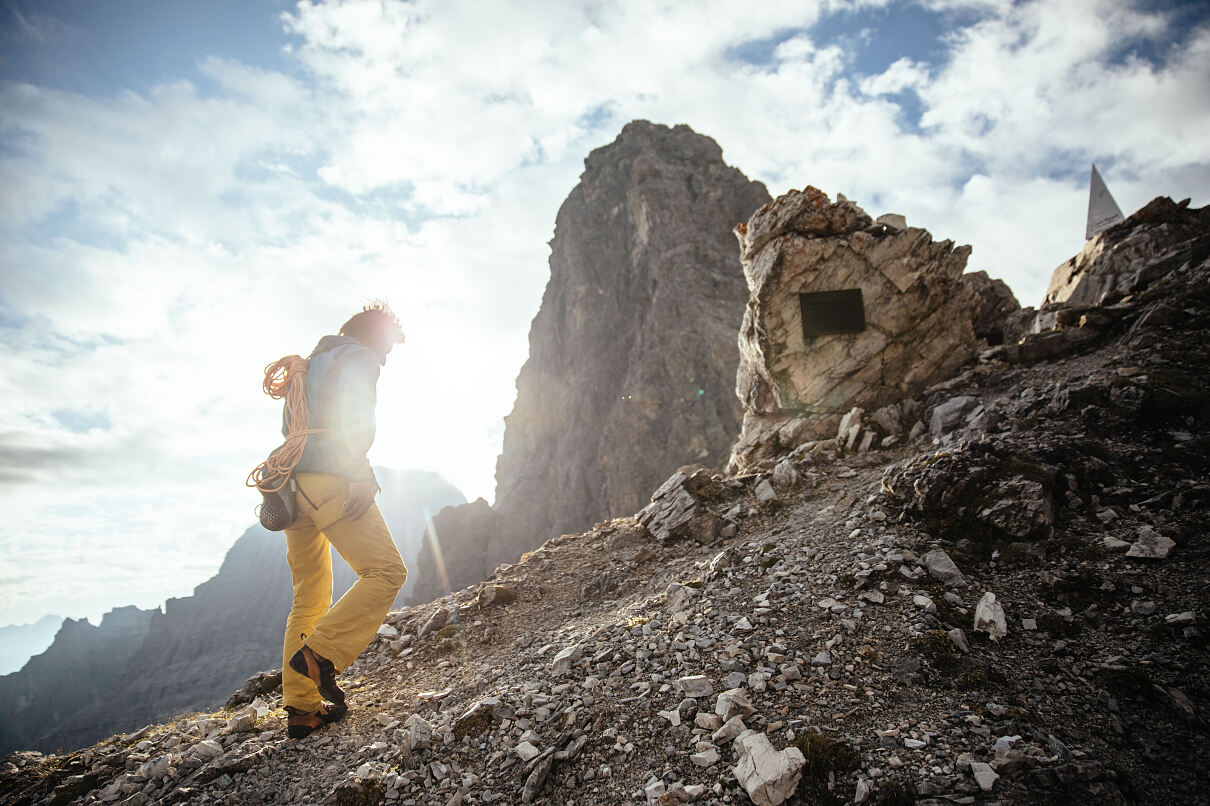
[{"x": 167, "y": 245}]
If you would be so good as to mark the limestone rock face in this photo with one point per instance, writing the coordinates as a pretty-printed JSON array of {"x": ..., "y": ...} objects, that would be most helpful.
[
  {"x": 1160, "y": 237},
  {"x": 632, "y": 353},
  {"x": 918, "y": 316}
]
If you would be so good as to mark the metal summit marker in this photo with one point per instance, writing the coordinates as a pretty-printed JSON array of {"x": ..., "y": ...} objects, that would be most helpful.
[{"x": 1103, "y": 211}]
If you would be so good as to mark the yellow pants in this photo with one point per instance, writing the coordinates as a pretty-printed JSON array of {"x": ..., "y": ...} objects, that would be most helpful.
[{"x": 337, "y": 632}]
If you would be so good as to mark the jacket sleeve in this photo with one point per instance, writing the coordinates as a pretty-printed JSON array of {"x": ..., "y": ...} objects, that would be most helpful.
[{"x": 353, "y": 415}]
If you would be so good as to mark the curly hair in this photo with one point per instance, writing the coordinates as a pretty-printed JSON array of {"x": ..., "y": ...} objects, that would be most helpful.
[{"x": 374, "y": 320}]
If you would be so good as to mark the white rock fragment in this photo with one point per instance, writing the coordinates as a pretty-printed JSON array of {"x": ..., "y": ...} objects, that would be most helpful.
[
  {"x": 243, "y": 721},
  {"x": 672, "y": 715},
  {"x": 206, "y": 750},
  {"x": 764, "y": 491},
  {"x": 959, "y": 638},
  {"x": 985, "y": 776},
  {"x": 706, "y": 758},
  {"x": 1151, "y": 545},
  {"x": 732, "y": 703},
  {"x": 420, "y": 732},
  {"x": 566, "y": 658},
  {"x": 768, "y": 775},
  {"x": 743, "y": 625},
  {"x": 732, "y": 728},
  {"x": 784, "y": 475},
  {"x": 989, "y": 617},
  {"x": 388, "y": 632},
  {"x": 525, "y": 751},
  {"x": 696, "y": 686}
]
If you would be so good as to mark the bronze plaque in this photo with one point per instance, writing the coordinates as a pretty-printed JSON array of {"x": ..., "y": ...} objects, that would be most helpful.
[{"x": 828, "y": 312}]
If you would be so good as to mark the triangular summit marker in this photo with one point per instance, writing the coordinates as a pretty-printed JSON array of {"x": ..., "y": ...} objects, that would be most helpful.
[{"x": 1103, "y": 211}]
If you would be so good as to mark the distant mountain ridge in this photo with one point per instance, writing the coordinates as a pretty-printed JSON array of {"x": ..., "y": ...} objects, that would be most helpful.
[
  {"x": 20, "y": 642},
  {"x": 141, "y": 665}
]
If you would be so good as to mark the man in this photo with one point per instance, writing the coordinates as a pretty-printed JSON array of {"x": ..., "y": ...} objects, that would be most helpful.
[{"x": 335, "y": 497}]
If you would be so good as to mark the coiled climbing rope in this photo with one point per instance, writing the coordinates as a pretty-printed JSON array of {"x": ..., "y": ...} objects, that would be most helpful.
[{"x": 286, "y": 378}]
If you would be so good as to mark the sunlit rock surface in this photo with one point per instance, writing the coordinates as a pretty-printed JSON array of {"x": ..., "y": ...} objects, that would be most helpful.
[
  {"x": 632, "y": 354},
  {"x": 1150, "y": 243},
  {"x": 918, "y": 316}
]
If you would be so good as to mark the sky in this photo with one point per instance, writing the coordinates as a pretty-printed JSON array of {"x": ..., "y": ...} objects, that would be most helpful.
[{"x": 189, "y": 191}]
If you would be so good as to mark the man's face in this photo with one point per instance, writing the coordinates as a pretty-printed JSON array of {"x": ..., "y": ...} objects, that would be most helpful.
[{"x": 386, "y": 343}]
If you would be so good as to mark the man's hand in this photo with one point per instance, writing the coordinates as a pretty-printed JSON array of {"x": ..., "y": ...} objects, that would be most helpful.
[{"x": 361, "y": 495}]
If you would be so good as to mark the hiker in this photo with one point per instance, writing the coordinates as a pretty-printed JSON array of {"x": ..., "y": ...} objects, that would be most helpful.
[{"x": 334, "y": 489}]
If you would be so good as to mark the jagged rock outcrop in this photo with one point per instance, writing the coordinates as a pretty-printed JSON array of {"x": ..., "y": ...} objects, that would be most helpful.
[
  {"x": 917, "y": 327},
  {"x": 1131, "y": 255},
  {"x": 139, "y": 666},
  {"x": 632, "y": 353}
]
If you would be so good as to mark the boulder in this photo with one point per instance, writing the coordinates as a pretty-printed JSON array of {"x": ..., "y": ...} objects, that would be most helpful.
[
  {"x": 733, "y": 703},
  {"x": 677, "y": 509},
  {"x": 989, "y": 617},
  {"x": 987, "y": 489},
  {"x": 768, "y": 775},
  {"x": 1150, "y": 545},
  {"x": 917, "y": 317}
]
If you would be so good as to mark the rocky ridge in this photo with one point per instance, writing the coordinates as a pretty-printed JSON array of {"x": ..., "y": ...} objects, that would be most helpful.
[
  {"x": 1006, "y": 605},
  {"x": 632, "y": 353}
]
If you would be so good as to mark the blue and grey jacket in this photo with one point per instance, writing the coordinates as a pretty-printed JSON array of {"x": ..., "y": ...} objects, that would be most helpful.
[{"x": 342, "y": 377}]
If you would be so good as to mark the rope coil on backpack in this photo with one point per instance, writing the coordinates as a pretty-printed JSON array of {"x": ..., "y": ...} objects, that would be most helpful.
[{"x": 286, "y": 378}]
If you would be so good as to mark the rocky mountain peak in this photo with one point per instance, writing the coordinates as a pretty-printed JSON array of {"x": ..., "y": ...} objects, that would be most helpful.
[{"x": 632, "y": 352}]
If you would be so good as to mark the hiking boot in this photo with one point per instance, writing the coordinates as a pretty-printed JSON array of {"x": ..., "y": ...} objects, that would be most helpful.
[
  {"x": 300, "y": 724},
  {"x": 310, "y": 664}
]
